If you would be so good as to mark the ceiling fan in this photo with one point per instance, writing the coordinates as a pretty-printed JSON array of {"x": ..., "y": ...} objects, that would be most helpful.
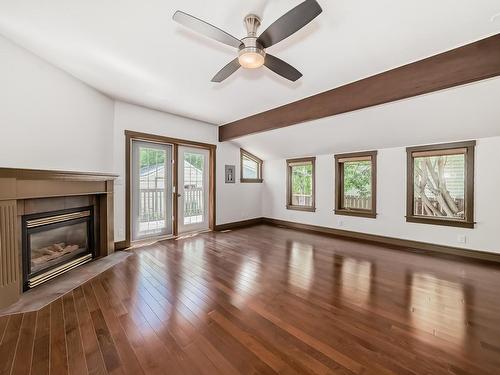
[{"x": 252, "y": 49}]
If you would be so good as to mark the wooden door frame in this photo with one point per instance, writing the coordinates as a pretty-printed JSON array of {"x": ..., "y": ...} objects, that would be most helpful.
[{"x": 176, "y": 142}]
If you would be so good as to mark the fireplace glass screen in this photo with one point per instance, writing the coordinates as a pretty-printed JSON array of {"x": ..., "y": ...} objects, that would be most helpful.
[
  {"x": 55, "y": 242},
  {"x": 55, "y": 245}
]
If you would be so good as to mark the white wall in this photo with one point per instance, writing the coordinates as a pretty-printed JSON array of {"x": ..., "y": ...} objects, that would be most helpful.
[
  {"x": 48, "y": 119},
  {"x": 234, "y": 201},
  {"x": 391, "y": 200},
  {"x": 238, "y": 201}
]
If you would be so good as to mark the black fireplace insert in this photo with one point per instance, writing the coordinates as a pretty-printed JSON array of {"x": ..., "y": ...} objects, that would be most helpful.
[{"x": 55, "y": 242}]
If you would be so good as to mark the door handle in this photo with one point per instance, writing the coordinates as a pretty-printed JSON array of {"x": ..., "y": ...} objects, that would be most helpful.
[{"x": 178, "y": 195}]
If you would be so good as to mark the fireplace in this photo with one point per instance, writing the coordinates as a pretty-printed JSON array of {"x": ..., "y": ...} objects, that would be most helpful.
[{"x": 55, "y": 242}]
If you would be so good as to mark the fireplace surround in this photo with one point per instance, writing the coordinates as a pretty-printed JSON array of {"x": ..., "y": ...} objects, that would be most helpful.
[
  {"x": 55, "y": 242},
  {"x": 40, "y": 195}
]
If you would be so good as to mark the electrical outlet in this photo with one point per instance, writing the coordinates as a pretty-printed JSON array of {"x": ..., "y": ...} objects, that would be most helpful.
[
  {"x": 120, "y": 232},
  {"x": 462, "y": 238},
  {"x": 340, "y": 223}
]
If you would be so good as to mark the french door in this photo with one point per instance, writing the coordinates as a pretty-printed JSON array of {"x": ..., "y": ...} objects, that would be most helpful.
[
  {"x": 193, "y": 186},
  {"x": 151, "y": 184}
]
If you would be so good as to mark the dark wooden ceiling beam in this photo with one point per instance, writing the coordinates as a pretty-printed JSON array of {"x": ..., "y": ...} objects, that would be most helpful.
[{"x": 472, "y": 62}]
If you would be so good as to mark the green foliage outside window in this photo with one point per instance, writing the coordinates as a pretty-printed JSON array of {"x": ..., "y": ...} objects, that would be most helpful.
[
  {"x": 302, "y": 179},
  {"x": 358, "y": 179},
  {"x": 196, "y": 160},
  {"x": 151, "y": 156}
]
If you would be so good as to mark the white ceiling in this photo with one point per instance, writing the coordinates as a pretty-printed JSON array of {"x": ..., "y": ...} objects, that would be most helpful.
[{"x": 132, "y": 50}]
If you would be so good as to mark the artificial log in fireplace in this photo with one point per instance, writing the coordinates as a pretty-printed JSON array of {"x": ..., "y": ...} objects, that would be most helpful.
[{"x": 56, "y": 242}]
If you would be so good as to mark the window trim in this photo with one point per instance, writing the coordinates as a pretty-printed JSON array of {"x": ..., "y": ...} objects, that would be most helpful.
[
  {"x": 468, "y": 222},
  {"x": 260, "y": 163},
  {"x": 339, "y": 185},
  {"x": 289, "y": 204}
]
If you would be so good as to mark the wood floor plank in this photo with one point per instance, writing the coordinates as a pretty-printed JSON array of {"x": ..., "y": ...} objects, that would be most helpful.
[
  {"x": 58, "y": 352},
  {"x": 9, "y": 343},
  {"x": 274, "y": 362},
  {"x": 41, "y": 347},
  {"x": 106, "y": 343},
  {"x": 217, "y": 358},
  {"x": 24, "y": 352},
  {"x": 93, "y": 357},
  {"x": 3, "y": 325},
  {"x": 128, "y": 358},
  {"x": 76, "y": 357}
]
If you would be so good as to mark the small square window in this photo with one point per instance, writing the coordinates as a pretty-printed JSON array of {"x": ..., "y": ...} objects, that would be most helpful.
[
  {"x": 250, "y": 166},
  {"x": 440, "y": 184},
  {"x": 301, "y": 184},
  {"x": 355, "y": 184}
]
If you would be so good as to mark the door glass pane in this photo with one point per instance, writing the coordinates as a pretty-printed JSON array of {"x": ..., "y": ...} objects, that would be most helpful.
[
  {"x": 250, "y": 168},
  {"x": 440, "y": 186},
  {"x": 194, "y": 165},
  {"x": 358, "y": 184},
  {"x": 152, "y": 210},
  {"x": 302, "y": 185}
]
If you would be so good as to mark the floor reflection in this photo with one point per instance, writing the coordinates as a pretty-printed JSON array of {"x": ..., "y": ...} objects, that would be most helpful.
[
  {"x": 301, "y": 265},
  {"x": 245, "y": 281},
  {"x": 438, "y": 307},
  {"x": 192, "y": 271},
  {"x": 356, "y": 281}
]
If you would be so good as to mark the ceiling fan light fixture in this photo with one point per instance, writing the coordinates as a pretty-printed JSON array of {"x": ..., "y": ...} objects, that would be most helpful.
[
  {"x": 251, "y": 58},
  {"x": 252, "y": 48}
]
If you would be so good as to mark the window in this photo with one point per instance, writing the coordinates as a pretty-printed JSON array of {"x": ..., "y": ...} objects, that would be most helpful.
[
  {"x": 356, "y": 184},
  {"x": 300, "y": 184},
  {"x": 250, "y": 166},
  {"x": 440, "y": 184}
]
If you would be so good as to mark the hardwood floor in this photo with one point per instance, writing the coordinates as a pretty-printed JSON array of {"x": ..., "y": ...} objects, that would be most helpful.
[{"x": 264, "y": 300}]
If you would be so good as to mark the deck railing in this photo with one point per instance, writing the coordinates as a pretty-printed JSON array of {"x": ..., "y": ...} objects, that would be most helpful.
[
  {"x": 362, "y": 203},
  {"x": 152, "y": 203},
  {"x": 193, "y": 202}
]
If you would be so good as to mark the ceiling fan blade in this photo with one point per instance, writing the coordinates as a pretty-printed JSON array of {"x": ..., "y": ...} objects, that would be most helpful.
[
  {"x": 225, "y": 72},
  {"x": 282, "y": 68},
  {"x": 206, "y": 29},
  {"x": 290, "y": 22}
]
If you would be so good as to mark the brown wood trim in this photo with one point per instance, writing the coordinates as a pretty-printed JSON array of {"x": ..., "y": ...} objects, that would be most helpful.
[
  {"x": 438, "y": 221},
  {"x": 300, "y": 208},
  {"x": 175, "y": 202},
  {"x": 10, "y": 271},
  {"x": 239, "y": 224},
  {"x": 402, "y": 244},
  {"x": 260, "y": 163},
  {"x": 121, "y": 245},
  {"x": 469, "y": 63},
  {"x": 128, "y": 194},
  {"x": 289, "y": 204},
  {"x": 41, "y": 174},
  {"x": 162, "y": 139},
  {"x": 176, "y": 142},
  {"x": 106, "y": 221},
  {"x": 252, "y": 180},
  {"x": 212, "y": 217},
  {"x": 469, "y": 146},
  {"x": 358, "y": 213},
  {"x": 339, "y": 183}
]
